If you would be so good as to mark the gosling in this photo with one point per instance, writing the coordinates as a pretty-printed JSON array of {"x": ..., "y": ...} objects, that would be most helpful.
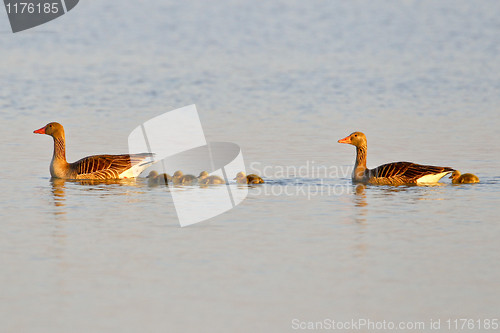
[
  {"x": 205, "y": 179},
  {"x": 466, "y": 178},
  {"x": 155, "y": 179},
  {"x": 242, "y": 178},
  {"x": 181, "y": 179}
]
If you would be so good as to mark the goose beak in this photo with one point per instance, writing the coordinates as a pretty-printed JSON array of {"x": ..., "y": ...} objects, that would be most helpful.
[
  {"x": 347, "y": 139},
  {"x": 40, "y": 131}
]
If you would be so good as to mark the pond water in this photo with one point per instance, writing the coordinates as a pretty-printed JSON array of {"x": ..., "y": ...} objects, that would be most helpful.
[{"x": 284, "y": 80}]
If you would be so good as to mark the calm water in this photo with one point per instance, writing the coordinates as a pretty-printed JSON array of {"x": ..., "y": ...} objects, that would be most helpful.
[{"x": 285, "y": 80}]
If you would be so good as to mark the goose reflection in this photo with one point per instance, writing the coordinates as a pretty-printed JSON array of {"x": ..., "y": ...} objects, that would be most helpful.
[
  {"x": 360, "y": 203},
  {"x": 414, "y": 193},
  {"x": 360, "y": 195},
  {"x": 59, "y": 195},
  {"x": 59, "y": 187}
]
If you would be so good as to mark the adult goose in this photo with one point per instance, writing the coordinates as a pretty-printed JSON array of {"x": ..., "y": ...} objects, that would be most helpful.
[
  {"x": 396, "y": 173},
  {"x": 99, "y": 167}
]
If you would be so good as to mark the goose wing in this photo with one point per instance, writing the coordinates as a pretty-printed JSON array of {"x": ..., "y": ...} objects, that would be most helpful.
[
  {"x": 106, "y": 166},
  {"x": 406, "y": 172}
]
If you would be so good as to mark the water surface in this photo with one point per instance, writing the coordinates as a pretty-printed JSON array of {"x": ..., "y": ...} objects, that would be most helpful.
[{"x": 284, "y": 80}]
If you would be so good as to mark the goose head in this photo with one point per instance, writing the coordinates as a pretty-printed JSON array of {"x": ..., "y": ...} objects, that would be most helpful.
[
  {"x": 53, "y": 129},
  {"x": 356, "y": 139}
]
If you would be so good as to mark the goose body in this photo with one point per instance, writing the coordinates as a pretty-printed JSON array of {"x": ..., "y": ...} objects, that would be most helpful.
[
  {"x": 97, "y": 167},
  {"x": 466, "y": 178},
  {"x": 396, "y": 173},
  {"x": 242, "y": 178},
  {"x": 205, "y": 179}
]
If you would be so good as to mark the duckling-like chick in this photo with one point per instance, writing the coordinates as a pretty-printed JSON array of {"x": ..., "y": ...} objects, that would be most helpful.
[
  {"x": 152, "y": 174},
  {"x": 466, "y": 178},
  {"x": 242, "y": 178},
  {"x": 155, "y": 179},
  {"x": 205, "y": 179},
  {"x": 189, "y": 180},
  {"x": 152, "y": 178},
  {"x": 176, "y": 178},
  {"x": 181, "y": 179},
  {"x": 254, "y": 179},
  {"x": 203, "y": 175}
]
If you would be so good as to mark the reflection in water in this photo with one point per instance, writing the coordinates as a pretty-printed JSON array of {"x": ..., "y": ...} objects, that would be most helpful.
[
  {"x": 91, "y": 182},
  {"x": 360, "y": 247},
  {"x": 360, "y": 195},
  {"x": 60, "y": 186},
  {"x": 416, "y": 192},
  {"x": 357, "y": 195},
  {"x": 59, "y": 194},
  {"x": 360, "y": 203}
]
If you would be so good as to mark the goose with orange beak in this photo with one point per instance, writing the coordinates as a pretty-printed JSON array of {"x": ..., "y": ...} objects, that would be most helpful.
[
  {"x": 396, "y": 173},
  {"x": 97, "y": 167}
]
